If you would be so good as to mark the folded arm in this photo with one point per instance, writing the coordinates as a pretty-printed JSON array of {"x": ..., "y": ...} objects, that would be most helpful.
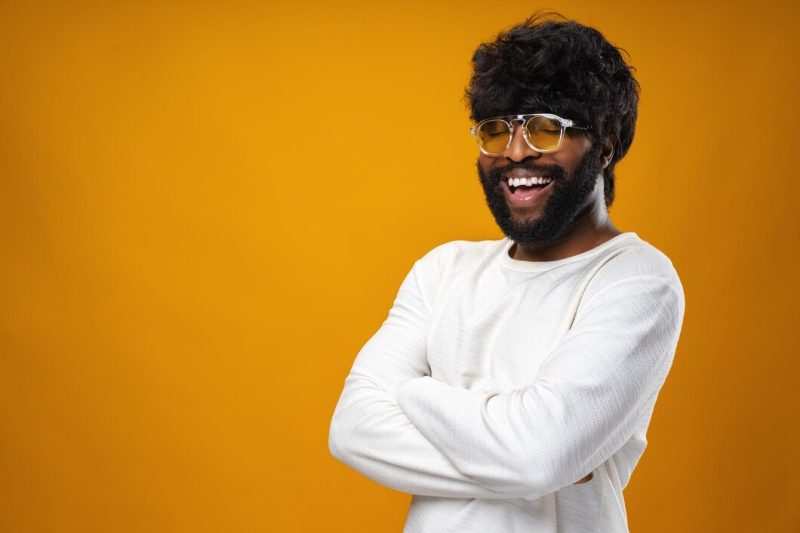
[
  {"x": 370, "y": 433},
  {"x": 582, "y": 407}
]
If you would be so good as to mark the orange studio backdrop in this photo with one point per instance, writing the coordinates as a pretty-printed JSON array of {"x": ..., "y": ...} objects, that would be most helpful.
[{"x": 206, "y": 209}]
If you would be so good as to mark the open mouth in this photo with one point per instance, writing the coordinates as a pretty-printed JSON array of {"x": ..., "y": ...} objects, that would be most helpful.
[
  {"x": 527, "y": 184},
  {"x": 522, "y": 192}
]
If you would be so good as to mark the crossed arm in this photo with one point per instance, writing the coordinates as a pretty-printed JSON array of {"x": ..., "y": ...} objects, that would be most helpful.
[
  {"x": 372, "y": 434},
  {"x": 408, "y": 431}
]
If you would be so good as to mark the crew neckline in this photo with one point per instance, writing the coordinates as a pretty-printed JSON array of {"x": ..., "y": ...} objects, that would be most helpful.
[{"x": 538, "y": 266}]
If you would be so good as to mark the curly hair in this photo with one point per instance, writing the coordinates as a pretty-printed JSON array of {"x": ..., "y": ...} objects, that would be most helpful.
[{"x": 548, "y": 63}]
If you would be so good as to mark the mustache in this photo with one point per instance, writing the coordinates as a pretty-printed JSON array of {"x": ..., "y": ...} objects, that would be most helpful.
[{"x": 551, "y": 171}]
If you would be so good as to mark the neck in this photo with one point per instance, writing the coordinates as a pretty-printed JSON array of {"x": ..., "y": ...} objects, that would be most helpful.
[{"x": 591, "y": 228}]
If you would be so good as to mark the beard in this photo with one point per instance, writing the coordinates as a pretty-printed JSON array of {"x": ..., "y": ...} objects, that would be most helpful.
[{"x": 569, "y": 195}]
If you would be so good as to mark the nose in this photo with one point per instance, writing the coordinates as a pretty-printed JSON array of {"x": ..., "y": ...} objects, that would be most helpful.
[{"x": 519, "y": 148}]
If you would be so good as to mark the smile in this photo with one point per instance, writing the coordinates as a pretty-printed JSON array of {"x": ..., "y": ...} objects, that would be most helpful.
[
  {"x": 524, "y": 192},
  {"x": 533, "y": 181}
]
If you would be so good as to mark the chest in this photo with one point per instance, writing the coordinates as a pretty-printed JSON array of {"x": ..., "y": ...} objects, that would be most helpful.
[{"x": 495, "y": 334}]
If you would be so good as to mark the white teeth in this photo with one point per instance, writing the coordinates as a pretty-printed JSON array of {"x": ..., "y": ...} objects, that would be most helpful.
[{"x": 535, "y": 180}]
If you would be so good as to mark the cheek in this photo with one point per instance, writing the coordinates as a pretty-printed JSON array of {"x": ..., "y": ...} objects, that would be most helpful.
[
  {"x": 485, "y": 165},
  {"x": 569, "y": 159},
  {"x": 568, "y": 166}
]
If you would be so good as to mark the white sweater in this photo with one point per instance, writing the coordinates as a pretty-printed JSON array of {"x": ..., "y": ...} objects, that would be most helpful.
[{"x": 495, "y": 384}]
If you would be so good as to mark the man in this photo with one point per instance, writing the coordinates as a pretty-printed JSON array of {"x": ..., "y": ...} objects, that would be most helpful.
[{"x": 512, "y": 384}]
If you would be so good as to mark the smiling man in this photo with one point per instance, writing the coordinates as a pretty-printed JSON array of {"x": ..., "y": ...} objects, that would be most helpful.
[{"x": 511, "y": 386}]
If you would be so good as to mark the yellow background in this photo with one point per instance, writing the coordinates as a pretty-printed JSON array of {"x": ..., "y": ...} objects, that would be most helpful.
[{"x": 206, "y": 208}]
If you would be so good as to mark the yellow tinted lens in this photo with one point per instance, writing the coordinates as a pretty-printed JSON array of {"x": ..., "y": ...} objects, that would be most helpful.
[
  {"x": 544, "y": 133},
  {"x": 493, "y": 136}
]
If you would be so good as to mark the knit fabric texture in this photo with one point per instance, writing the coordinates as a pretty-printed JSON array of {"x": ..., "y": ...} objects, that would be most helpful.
[{"x": 495, "y": 384}]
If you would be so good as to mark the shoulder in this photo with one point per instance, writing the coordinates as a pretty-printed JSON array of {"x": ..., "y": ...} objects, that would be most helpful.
[
  {"x": 459, "y": 253},
  {"x": 636, "y": 266},
  {"x": 639, "y": 258},
  {"x": 447, "y": 263}
]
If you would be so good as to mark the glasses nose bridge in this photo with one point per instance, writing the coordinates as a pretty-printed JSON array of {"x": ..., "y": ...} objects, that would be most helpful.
[
  {"x": 514, "y": 126},
  {"x": 519, "y": 148},
  {"x": 518, "y": 118}
]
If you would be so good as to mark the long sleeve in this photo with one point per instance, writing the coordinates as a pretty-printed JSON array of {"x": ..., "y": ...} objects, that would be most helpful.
[
  {"x": 582, "y": 407},
  {"x": 370, "y": 433}
]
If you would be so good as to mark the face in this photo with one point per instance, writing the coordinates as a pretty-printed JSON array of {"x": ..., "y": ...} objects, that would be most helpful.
[{"x": 541, "y": 215}]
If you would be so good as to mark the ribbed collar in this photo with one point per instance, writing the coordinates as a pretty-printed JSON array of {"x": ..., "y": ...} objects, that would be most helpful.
[{"x": 507, "y": 261}]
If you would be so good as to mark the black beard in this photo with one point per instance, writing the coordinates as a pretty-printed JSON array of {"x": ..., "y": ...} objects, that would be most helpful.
[{"x": 569, "y": 195}]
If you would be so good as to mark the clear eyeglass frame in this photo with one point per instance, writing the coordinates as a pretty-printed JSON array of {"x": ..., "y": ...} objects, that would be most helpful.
[{"x": 509, "y": 120}]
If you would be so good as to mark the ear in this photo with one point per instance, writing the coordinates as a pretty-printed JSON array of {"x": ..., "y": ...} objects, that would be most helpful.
[{"x": 608, "y": 152}]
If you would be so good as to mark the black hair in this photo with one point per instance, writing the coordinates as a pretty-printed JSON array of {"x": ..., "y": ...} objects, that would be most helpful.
[{"x": 550, "y": 64}]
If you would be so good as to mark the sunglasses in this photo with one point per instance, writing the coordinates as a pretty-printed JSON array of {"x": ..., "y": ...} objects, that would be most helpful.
[{"x": 542, "y": 131}]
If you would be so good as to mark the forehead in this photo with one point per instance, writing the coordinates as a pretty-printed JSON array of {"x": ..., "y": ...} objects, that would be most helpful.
[
  {"x": 509, "y": 117},
  {"x": 510, "y": 113},
  {"x": 533, "y": 103}
]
